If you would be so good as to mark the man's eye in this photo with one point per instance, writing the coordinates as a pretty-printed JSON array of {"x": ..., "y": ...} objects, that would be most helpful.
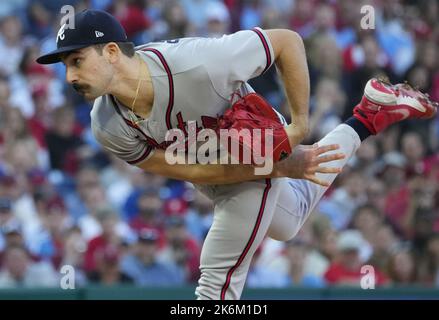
[{"x": 76, "y": 62}]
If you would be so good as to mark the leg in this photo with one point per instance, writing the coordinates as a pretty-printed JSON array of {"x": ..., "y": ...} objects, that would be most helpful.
[
  {"x": 243, "y": 213},
  {"x": 298, "y": 198},
  {"x": 382, "y": 105}
]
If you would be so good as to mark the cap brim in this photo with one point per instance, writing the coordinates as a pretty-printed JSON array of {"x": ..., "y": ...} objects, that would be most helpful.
[{"x": 55, "y": 56}]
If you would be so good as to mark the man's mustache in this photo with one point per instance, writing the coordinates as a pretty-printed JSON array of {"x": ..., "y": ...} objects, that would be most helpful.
[{"x": 80, "y": 88}]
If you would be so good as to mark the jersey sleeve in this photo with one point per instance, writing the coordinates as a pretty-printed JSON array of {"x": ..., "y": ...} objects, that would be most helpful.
[
  {"x": 129, "y": 149},
  {"x": 236, "y": 58},
  {"x": 229, "y": 61},
  {"x": 115, "y": 136}
]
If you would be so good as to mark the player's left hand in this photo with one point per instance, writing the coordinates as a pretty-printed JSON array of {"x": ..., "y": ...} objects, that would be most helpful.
[{"x": 305, "y": 161}]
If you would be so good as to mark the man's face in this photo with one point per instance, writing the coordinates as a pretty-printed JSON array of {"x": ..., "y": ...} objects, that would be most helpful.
[
  {"x": 5, "y": 215},
  {"x": 146, "y": 251},
  {"x": 350, "y": 259},
  {"x": 16, "y": 262},
  {"x": 149, "y": 205},
  {"x": 88, "y": 72}
]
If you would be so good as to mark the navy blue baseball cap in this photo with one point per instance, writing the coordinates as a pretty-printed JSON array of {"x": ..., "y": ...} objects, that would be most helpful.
[{"x": 90, "y": 27}]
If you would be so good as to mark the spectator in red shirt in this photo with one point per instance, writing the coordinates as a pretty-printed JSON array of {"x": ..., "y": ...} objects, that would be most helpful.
[
  {"x": 109, "y": 238},
  {"x": 108, "y": 270},
  {"x": 398, "y": 193},
  {"x": 414, "y": 150},
  {"x": 346, "y": 270},
  {"x": 131, "y": 17},
  {"x": 39, "y": 123},
  {"x": 65, "y": 146},
  {"x": 301, "y": 19}
]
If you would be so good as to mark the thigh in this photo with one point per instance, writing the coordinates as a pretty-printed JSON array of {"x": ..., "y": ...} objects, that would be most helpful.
[
  {"x": 243, "y": 213},
  {"x": 290, "y": 212},
  {"x": 298, "y": 198}
]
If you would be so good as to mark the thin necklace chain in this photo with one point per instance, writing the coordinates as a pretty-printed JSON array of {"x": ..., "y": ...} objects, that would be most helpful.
[{"x": 136, "y": 121}]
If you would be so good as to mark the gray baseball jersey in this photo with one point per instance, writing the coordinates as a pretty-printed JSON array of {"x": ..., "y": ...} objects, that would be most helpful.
[{"x": 193, "y": 80}]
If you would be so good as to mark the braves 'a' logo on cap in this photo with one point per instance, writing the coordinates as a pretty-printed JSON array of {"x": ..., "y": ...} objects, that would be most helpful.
[{"x": 61, "y": 35}]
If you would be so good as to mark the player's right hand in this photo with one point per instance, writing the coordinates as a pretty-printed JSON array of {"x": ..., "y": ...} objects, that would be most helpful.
[
  {"x": 305, "y": 162},
  {"x": 298, "y": 130}
]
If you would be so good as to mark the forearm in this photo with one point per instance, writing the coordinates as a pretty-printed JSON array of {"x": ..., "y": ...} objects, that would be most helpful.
[
  {"x": 222, "y": 173},
  {"x": 203, "y": 173},
  {"x": 293, "y": 69},
  {"x": 303, "y": 163}
]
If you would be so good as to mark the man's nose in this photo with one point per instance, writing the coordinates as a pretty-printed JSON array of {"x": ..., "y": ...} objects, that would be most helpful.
[{"x": 71, "y": 76}]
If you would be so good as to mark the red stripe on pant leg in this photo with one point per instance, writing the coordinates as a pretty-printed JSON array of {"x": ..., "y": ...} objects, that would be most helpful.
[{"x": 250, "y": 241}]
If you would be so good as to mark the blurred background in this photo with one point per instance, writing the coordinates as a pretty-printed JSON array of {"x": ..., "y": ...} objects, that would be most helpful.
[{"x": 63, "y": 201}]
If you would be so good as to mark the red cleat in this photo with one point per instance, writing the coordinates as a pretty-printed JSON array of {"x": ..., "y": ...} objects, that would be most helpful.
[{"x": 384, "y": 104}]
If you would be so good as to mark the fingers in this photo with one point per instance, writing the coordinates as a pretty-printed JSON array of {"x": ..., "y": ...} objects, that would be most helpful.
[
  {"x": 330, "y": 157},
  {"x": 326, "y": 148},
  {"x": 328, "y": 170},
  {"x": 315, "y": 180}
]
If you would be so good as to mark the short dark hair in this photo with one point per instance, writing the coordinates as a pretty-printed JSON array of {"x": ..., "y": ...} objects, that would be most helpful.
[{"x": 127, "y": 48}]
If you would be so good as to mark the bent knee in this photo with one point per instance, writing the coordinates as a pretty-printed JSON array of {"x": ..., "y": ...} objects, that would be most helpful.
[{"x": 282, "y": 234}]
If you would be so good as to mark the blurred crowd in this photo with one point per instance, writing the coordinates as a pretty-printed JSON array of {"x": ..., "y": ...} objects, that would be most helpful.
[{"x": 63, "y": 201}]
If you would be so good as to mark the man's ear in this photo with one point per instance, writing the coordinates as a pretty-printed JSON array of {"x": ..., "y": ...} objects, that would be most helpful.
[{"x": 111, "y": 52}]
